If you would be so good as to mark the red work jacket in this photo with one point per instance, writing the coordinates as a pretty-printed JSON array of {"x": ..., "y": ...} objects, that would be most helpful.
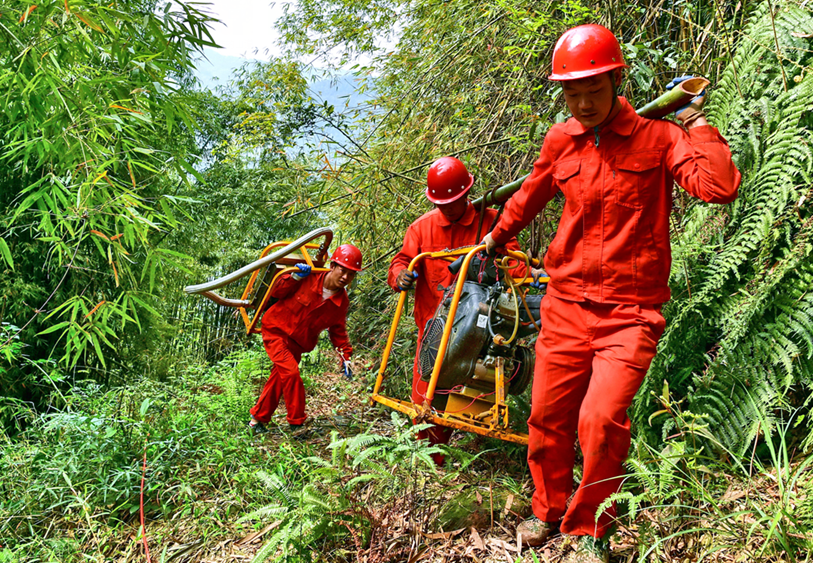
[
  {"x": 612, "y": 244},
  {"x": 432, "y": 232},
  {"x": 302, "y": 313}
]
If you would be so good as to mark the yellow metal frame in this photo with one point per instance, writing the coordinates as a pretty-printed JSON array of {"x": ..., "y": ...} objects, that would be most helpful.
[
  {"x": 494, "y": 422},
  {"x": 296, "y": 256}
]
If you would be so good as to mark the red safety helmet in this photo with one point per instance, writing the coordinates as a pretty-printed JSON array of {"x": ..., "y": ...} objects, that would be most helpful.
[
  {"x": 447, "y": 180},
  {"x": 586, "y": 50},
  {"x": 348, "y": 256}
]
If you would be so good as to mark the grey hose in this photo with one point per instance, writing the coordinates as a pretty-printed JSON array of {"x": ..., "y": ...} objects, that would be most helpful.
[{"x": 257, "y": 264}]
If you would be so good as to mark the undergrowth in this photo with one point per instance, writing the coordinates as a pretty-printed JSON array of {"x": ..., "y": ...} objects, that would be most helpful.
[
  {"x": 71, "y": 478},
  {"x": 367, "y": 490},
  {"x": 686, "y": 498},
  {"x": 78, "y": 470}
]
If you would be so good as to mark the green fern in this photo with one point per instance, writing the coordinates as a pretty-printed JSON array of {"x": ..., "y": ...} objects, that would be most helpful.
[
  {"x": 335, "y": 497},
  {"x": 740, "y": 332}
]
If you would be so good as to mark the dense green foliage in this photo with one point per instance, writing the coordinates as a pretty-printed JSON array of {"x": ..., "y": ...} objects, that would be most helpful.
[
  {"x": 87, "y": 457},
  {"x": 739, "y": 338},
  {"x": 80, "y": 469},
  {"x": 96, "y": 136},
  {"x": 121, "y": 183}
]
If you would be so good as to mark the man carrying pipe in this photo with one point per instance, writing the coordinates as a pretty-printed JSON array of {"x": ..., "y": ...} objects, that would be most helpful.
[
  {"x": 609, "y": 269},
  {"x": 306, "y": 305},
  {"x": 452, "y": 224}
]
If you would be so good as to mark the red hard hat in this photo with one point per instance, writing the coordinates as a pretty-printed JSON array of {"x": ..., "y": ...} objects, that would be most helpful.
[
  {"x": 447, "y": 180},
  {"x": 586, "y": 50},
  {"x": 348, "y": 256}
]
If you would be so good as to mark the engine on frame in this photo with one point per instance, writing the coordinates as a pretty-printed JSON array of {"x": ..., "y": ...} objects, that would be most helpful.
[{"x": 486, "y": 309}]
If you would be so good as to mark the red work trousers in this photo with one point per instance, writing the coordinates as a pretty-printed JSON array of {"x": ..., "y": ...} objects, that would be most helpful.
[
  {"x": 590, "y": 361},
  {"x": 284, "y": 380}
]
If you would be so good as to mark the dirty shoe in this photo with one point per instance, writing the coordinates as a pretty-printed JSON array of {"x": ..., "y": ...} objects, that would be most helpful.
[
  {"x": 588, "y": 549},
  {"x": 533, "y": 532}
]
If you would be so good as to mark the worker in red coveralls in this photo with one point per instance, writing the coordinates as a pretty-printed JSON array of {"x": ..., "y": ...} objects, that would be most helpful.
[
  {"x": 306, "y": 305},
  {"x": 452, "y": 224},
  {"x": 609, "y": 269}
]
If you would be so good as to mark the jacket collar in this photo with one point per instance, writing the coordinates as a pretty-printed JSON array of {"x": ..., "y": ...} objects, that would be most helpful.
[
  {"x": 623, "y": 123},
  {"x": 465, "y": 220},
  {"x": 339, "y": 297}
]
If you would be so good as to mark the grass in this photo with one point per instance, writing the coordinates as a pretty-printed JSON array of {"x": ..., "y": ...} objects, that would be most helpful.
[
  {"x": 72, "y": 478},
  {"x": 360, "y": 489}
]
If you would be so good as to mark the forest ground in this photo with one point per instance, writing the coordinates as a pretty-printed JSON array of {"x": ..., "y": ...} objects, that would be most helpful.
[{"x": 467, "y": 511}]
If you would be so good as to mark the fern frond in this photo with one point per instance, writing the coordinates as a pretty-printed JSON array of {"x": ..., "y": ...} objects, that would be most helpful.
[
  {"x": 740, "y": 330},
  {"x": 265, "y": 513}
]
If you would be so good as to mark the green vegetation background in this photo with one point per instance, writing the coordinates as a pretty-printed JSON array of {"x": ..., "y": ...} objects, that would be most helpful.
[{"x": 121, "y": 182}]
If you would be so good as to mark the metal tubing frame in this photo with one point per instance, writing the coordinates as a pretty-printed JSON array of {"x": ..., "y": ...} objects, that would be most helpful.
[
  {"x": 301, "y": 245},
  {"x": 301, "y": 242},
  {"x": 265, "y": 251},
  {"x": 251, "y": 325},
  {"x": 424, "y": 411}
]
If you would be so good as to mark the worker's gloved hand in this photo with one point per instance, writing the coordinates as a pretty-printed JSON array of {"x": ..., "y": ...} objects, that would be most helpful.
[
  {"x": 304, "y": 272},
  {"x": 694, "y": 109},
  {"x": 536, "y": 274},
  {"x": 346, "y": 371},
  {"x": 491, "y": 246},
  {"x": 405, "y": 279}
]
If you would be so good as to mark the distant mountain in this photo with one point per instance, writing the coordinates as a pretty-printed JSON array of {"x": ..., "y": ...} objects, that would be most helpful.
[{"x": 215, "y": 70}]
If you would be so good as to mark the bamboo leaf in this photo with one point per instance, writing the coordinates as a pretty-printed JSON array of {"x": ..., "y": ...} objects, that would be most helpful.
[{"x": 5, "y": 251}]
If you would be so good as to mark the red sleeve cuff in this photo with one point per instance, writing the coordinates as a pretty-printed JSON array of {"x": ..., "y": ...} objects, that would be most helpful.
[{"x": 499, "y": 236}]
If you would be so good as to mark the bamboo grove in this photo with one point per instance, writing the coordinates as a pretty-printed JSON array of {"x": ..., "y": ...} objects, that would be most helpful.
[{"x": 121, "y": 181}]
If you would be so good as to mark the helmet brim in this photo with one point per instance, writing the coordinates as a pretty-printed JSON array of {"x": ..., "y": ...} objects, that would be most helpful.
[
  {"x": 439, "y": 201},
  {"x": 348, "y": 266},
  {"x": 562, "y": 77}
]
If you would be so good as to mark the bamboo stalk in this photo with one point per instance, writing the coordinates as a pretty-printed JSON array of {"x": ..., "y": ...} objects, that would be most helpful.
[{"x": 672, "y": 99}]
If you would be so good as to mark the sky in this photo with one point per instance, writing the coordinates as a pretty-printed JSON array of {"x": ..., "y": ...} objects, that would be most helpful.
[
  {"x": 247, "y": 30},
  {"x": 246, "y": 33}
]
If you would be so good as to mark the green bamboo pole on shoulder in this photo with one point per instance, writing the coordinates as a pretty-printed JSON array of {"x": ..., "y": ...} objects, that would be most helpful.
[{"x": 661, "y": 106}]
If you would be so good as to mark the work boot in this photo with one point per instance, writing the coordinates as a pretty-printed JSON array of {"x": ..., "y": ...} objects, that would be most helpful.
[
  {"x": 588, "y": 549},
  {"x": 533, "y": 532}
]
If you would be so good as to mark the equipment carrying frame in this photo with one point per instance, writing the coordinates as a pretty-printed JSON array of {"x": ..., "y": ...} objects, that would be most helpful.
[
  {"x": 493, "y": 422},
  {"x": 256, "y": 296}
]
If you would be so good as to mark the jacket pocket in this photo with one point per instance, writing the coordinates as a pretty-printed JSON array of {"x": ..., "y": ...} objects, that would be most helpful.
[
  {"x": 301, "y": 302},
  {"x": 634, "y": 173},
  {"x": 553, "y": 256},
  {"x": 566, "y": 176},
  {"x": 437, "y": 273},
  {"x": 653, "y": 267}
]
